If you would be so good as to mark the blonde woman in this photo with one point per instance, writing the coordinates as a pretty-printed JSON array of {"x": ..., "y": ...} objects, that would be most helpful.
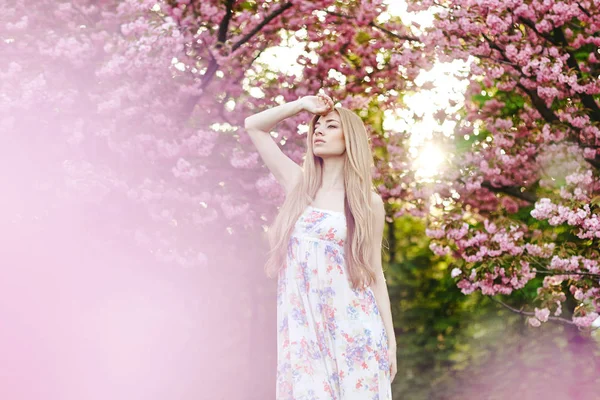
[{"x": 335, "y": 337}]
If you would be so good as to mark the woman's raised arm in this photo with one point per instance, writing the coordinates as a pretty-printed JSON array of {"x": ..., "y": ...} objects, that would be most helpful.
[{"x": 258, "y": 126}]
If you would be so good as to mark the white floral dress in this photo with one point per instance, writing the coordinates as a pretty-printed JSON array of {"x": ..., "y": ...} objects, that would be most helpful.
[{"x": 331, "y": 341}]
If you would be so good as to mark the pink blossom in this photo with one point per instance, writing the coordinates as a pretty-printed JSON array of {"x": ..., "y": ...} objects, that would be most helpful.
[
  {"x": 435, "y": 233},
  {"x": 542, "y": 314},
  {"x": 543, "y": 208},
  {"x": 466, "y": 286},
  {"x": 586, "y": 320}
]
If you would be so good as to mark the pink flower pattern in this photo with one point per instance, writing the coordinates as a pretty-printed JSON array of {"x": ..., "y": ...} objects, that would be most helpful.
[{"x": 331, "y": 341}]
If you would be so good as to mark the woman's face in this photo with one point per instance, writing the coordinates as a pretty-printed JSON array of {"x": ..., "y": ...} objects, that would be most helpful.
[{"x": 328, "y": 137}]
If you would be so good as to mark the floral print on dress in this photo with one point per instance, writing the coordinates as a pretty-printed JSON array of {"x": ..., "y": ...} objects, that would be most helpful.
[{"x": 331, "y": 341}]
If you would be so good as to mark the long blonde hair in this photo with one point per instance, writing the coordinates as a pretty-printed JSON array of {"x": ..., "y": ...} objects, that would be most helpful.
[{"x": 358, "y": 185}]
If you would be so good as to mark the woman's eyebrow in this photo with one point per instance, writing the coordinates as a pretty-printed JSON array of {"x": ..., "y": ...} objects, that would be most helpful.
[{"x": 329, "y": 120}]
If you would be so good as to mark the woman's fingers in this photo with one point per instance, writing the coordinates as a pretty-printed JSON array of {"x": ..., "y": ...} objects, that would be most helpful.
[{"x": 326, "y": 100}]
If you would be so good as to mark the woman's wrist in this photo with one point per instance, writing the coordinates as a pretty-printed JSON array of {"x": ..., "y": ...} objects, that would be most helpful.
[{"x": 299, "y": 104}]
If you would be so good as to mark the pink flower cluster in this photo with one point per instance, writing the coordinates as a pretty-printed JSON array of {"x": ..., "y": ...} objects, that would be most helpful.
[
  {"x": 498, "y": 280},
  {"x": 541, "y": 315}
]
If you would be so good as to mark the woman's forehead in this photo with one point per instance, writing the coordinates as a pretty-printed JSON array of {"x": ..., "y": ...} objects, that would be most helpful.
[{"x": 331, "y": 116}]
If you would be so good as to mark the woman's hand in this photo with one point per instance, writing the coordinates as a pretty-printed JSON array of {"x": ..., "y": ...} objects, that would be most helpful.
[
  {"x": 393, "y": 363},
  {"x": 320, "y": 104}
]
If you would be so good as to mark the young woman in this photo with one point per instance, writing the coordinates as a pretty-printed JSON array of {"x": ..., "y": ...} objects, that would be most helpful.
[{"x": 335, "y": 337}]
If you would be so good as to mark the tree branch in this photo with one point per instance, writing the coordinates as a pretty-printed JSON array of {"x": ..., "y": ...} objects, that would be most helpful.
[
  {"x": 390, "y": 33},
  {"x": 224, "y": 25},
  {"x": 374, "y": 25},
  {"x": 532, "y": 314},
  {"x": 539, "y": 104},
  {"x": 586, "y": 12},
  {"x": 559, "y": 40},
  {"x": 262, "y": 24},
  {"x": 531, "y": 26},
  {"x": 554, "y": 272},
  {"x": 512, "y": 191},
  {"x": 535, "y": 99},
  {"x": 213, "y": 66},
  {"x": 587, "y": 100},
  {"x": 558, "y": 272}
]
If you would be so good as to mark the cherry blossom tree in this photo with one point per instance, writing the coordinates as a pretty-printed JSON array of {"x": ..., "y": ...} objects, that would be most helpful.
[
  {"x": 138, "y": 105},
  {"x": 123, "y": 148},
  {"x": 519, "y": 203}
]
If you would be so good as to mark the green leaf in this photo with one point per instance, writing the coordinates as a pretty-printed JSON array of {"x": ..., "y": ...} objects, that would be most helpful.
[{"x": 362, "y": 37}]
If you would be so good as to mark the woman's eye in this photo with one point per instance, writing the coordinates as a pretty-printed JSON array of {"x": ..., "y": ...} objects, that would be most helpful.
[{"x": 331, "y": 126}]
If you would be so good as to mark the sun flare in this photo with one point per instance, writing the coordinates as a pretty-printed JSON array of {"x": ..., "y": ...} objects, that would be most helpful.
[{"x": 428, "y": 161}]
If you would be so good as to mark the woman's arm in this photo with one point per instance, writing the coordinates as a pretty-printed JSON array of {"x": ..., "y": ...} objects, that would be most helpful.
[
  {"x": 379, "y": 287},
  {"x": 258, "y": 126},
  {"x": 266, "y": 120},
  {"x": 284, "y": 169}
]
